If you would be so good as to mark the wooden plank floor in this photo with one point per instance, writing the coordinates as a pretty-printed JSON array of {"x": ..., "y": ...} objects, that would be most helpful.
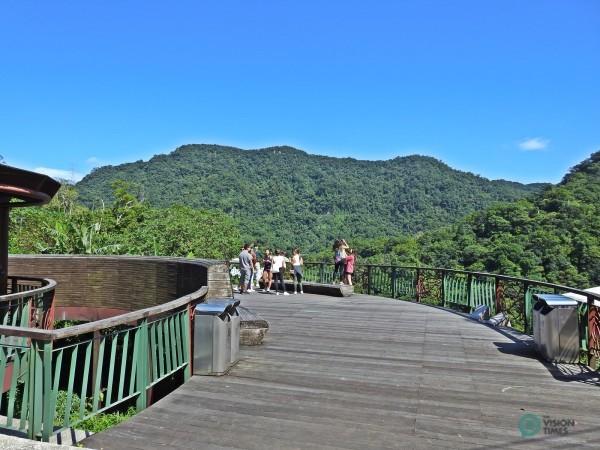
[{"x": 369, "y": 373}]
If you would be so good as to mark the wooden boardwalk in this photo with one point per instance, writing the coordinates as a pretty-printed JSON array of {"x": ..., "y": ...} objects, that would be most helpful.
[{"x": 369, "y": 373}]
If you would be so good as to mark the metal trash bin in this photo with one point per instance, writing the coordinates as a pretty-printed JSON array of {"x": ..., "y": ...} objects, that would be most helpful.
[
  {"x": 212, "y": 338},
  {"x": 235, "y": 319},
  {"x": 556, "y": 328}
]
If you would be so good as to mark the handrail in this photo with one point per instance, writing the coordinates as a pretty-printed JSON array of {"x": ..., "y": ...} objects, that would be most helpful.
[
  {"x": 116, "y": 365},
  {"x": 509, "y": 295},
  {"x": 47, "y": 285},
  {"x": 30, "y": 303},
  {"x": 57, "y": 379},
  {"x": 122, "y": 319},
  {"x": 595, "y": 296}
]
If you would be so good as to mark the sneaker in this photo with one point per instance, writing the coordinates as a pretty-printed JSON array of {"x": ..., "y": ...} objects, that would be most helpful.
[
  {"x": 268, "y": 290},
  {"x": 251, "y": 290},
  {"x": 295, "y": 293},
  {"x": 286, "y": 293},
  {"x": 276, "y": 293},
  {"x": 302, "y": 292}
]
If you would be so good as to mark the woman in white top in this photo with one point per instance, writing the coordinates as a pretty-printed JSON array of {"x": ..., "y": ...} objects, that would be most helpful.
[
  {"x": 278, "y": 271},
  {"x": 297, "y": 263},
  {"x": 339, "y": 248}
]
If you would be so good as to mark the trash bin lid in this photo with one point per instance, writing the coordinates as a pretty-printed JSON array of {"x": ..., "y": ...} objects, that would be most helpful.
[
  {"x": 555, "y": 300},
  {"x": 231, "y": 304},
  {"x": 214, "y": 309}
]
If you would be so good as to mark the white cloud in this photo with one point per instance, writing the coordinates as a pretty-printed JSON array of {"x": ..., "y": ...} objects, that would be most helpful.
[
  {"x": 60, "y": 174},
  {"x": 92, "y": 160},
  {"x": 531, "y": 144}
]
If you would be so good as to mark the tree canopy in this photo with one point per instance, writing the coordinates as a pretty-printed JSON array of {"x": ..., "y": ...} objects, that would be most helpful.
[
  {"x": 281, "y": 196},
  {"x": 553, "y": 234}
]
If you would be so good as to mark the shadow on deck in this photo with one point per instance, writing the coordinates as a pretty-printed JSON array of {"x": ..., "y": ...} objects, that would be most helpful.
[{"x": 368, "y": 372}]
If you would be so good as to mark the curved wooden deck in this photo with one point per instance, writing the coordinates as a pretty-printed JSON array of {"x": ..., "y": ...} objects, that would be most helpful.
[{"x": 368, "y": 372}]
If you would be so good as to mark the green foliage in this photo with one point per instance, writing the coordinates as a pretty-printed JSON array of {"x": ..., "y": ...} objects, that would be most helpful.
[
  {"x": 128, "y": 226},
  {"x": 94, "y": 424},
  {"x": 61, "y": 407},
  {"x": 406, "y": 211},
  {"x": 555, "y": 236},
  {"x": 283, "y": 197},
  {"x": 103, "y": 421}
]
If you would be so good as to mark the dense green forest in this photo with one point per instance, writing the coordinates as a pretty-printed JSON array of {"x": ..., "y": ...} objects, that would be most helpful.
[
  {"x": 552, "y": 235},
  {"x": 282, "y": 196}
]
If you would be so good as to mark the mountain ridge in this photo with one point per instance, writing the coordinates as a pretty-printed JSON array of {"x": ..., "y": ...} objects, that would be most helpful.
[{"x": 318, "y": 197}]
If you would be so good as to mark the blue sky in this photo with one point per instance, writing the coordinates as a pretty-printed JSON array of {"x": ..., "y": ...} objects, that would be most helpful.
[{"x": 502, "y": 88}]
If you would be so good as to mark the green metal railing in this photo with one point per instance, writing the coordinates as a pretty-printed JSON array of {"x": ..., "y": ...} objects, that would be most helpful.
[{"x": 55, "y": 379}]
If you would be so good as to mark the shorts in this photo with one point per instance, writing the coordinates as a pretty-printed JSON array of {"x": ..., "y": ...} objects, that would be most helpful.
[{"x": 244, "y": 274}]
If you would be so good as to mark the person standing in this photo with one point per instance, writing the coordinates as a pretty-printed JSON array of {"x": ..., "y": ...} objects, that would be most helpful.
[
  {"x": 267, "y": 277},
  {"x": 349, "y": 269},
  {"x": 252, "y": 269},
  {"x": 257, "y": 271},
  {"x": 278, "y": 270},
  {"x": 339, "y": 247},
  {"x": 297, "y": 263},
  {"x": 245, "y": 268}
]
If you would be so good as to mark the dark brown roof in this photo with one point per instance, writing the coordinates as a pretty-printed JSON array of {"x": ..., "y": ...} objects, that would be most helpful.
[{"x": 27, "y": 188}]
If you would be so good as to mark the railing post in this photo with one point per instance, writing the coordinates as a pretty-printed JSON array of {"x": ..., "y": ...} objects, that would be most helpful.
[
  {"x": 443, "y": 288},
  {"x": 142, "y": 366},
  {"x": 34, "y": 405},
  {"x": 499, "y": 289},
  {"x": 95, "y": 354},
  {"x": 394, "y": 277},
  {"x": 48, "y": 407},
  {"x": 188, "y": 333},
  {"x": 369, "y": 279},
  {"x": 41, "y": 417},
  {"x": 322, "y": 272},
  {"x": 525, "y": 307},
  {"x": 469, "y": 290},
  {"x": 418, "y": 285},
  {"x": 591, "y": 325}
]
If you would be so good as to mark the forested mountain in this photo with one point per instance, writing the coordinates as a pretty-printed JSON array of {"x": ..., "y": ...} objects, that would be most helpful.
[
  {"x": 554, "y": 236},
  {"x": 282, "y": 196}
]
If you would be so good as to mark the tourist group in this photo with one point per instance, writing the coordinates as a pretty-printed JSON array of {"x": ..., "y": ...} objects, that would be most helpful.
[{"x": 274, "y": 265}]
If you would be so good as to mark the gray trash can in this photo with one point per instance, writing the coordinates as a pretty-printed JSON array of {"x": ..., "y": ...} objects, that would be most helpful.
[
  {"x": 556, "y": 328},
  {"x": 234, "y": 317},
  {"x": 212, "y": 339}
]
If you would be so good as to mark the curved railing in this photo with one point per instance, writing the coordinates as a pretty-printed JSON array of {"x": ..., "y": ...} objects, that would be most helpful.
[
  {"x": 56, "y": 379},
  {"x": 464, "y": 290},
  {"x": 28, "y": 303}
]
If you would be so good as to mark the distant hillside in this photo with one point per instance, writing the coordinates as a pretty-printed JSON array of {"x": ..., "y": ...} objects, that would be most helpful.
[
  {"x": 283, "y": 196},
  {"x": 555, "y": 236}
]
